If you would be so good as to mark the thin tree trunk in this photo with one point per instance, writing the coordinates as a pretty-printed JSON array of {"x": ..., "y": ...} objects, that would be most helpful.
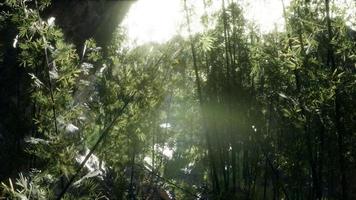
[
  {"x": 201, "y": 102},
  {"x": 321, "y": 158},
  {"x": 340, "y": 127},
  {"x": 265, "y": 181},
  {"x": 307, "y": 131},
  {"x": 131, "y": 193}
]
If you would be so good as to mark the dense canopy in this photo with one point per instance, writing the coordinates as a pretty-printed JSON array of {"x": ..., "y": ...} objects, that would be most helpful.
[{"x": 226, "y": 112}]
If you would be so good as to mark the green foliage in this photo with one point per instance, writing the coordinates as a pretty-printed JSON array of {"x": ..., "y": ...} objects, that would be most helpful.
[
  {"x": 52, "y": 66},
  {"x": 247, "y": 116},
  {"x": 26, "y": 189}
]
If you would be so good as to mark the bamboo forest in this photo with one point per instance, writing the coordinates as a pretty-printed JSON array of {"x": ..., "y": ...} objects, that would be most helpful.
[{"x": 178, "y": 99}]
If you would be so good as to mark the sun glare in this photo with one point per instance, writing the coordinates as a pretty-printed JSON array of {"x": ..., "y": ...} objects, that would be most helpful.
[
  {"x": 267, "y": 14},
  {"x": 159, "y": 20},
  {"x": 153, "y": 20}
]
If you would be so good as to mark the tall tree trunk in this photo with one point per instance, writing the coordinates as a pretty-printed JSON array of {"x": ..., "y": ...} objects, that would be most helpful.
[
  {"x": 340, "y": 127},
  {"x": 321, "y": 128},
  {"x": 132, "y": 190},
  {"x": 215, "y": 179},
  {"x": 265, "y": 180},
  {"x": 308, "y": 137}
]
